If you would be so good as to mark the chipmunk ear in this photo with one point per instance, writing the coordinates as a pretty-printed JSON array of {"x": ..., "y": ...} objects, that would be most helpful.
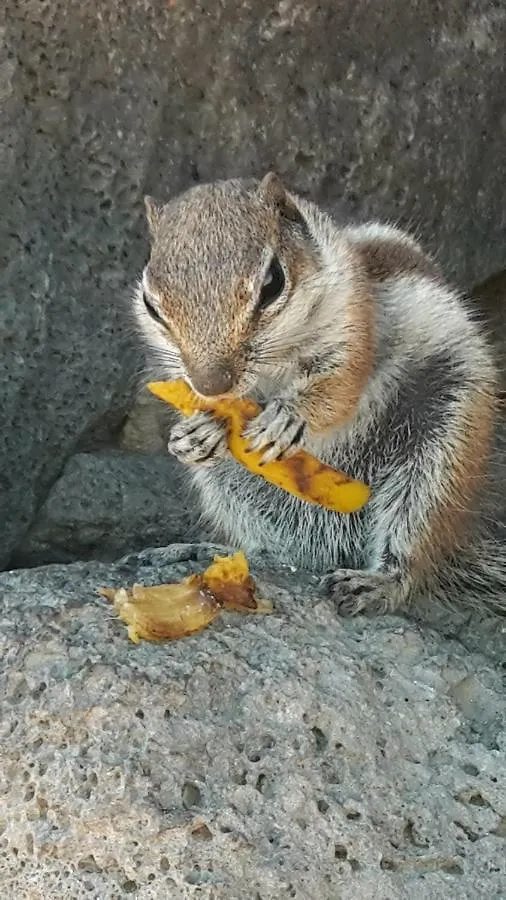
[
  {"x": 272, "y": 189},
  {"x": 153, "y": 214}
]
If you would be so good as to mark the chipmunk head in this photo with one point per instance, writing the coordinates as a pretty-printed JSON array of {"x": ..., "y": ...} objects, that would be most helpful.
[{"x": 221, "y": 295}]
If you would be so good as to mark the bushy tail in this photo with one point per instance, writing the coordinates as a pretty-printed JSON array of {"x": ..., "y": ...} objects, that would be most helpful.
[{"x": 476, "y": 579}]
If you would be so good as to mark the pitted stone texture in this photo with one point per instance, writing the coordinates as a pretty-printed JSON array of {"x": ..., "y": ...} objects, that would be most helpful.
[
  {"x": 110, "y": 503},
  {"x": 79, "y": 121},
  {"x": 391, "y": 110},
  {"x": 373, "y": 109},
  {"x": 148, "y": 425},
  {"x": 273, "y": 757}
]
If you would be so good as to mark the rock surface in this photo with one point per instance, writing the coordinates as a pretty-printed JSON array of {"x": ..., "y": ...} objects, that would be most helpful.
[
  {"x": 286, "y": 756},
  {"x": 111, "y": 503},
  {"x": 391, "y": 110}
]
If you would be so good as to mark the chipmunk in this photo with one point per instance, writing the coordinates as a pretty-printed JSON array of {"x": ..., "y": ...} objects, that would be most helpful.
[{"x": 358, "y": 352}]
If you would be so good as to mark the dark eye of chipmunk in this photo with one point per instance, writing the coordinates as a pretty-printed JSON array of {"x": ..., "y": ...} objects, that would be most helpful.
[
  {"x": 273, "y": 285},
  {"x": 151, "y": 309}
]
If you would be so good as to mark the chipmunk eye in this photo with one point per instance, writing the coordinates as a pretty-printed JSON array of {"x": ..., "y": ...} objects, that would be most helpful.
[
  {"x": 151, "y": 310},
  {"x": 273, "y": 285}
]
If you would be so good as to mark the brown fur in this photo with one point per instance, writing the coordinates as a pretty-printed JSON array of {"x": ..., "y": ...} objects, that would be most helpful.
[
  {"x": 384, "y": 259},
  {"x": 448, "y": 526},
  {"x": 332, "y": 400},
  {"x": 346, "y": 314},
  {"x": 225, "y": 229}
]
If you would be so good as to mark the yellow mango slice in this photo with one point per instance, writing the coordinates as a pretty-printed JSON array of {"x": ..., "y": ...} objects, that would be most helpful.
[
  {"x": 171, "y": 611},
  {"x": 165, "y": 611},
  {"x": 301, "y": 474}
]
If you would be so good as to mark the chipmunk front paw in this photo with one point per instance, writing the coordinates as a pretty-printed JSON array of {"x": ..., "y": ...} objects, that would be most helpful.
[
  {"x": 356, "y": 592},
  {"x": 199, "y": 440},
  {"x": 277, "y": 431}
]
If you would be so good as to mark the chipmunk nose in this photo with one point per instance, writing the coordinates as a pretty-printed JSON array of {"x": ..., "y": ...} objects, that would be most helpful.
[{"x": 213, "y": 380}]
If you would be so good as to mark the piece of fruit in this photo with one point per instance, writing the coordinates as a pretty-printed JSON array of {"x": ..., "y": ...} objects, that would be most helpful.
[
  {"x": 174, "y": 611},
  {"x": 301, "y": 474}
]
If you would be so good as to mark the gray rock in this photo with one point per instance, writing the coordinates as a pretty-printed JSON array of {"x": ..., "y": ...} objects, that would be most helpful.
[
  {"x": 111, "y": 503},
  {"x": 147, "y": 426},
  {"x": 273, "y": 757},
  {"x": 391, "y": 110}
]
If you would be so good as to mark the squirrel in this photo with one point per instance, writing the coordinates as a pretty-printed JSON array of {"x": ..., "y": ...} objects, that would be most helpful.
[{"x": 359, "y": 352}]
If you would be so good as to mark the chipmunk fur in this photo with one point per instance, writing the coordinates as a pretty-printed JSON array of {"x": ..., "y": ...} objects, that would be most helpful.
[{"x": 358, "y": 351}]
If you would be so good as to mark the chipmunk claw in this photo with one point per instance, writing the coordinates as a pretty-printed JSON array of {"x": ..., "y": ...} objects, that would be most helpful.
[
  {"x": 278, "y": 431},
  {"x": 199, "y": 440},
  {"x": 357, "y": 592}
]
